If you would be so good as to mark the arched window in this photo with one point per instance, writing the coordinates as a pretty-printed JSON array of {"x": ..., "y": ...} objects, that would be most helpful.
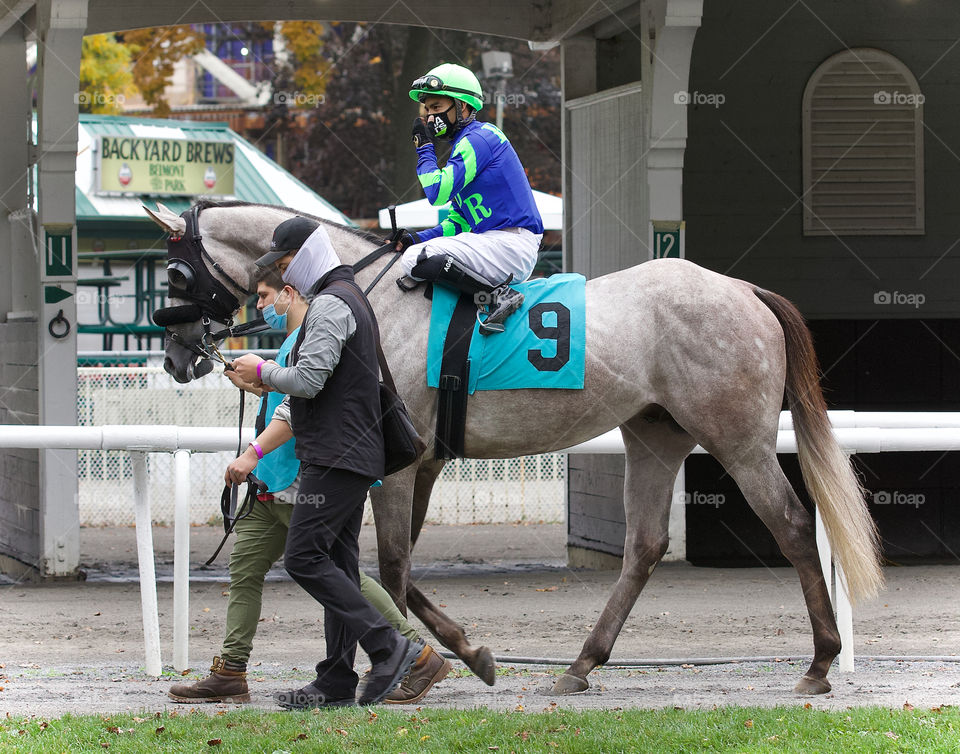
[{"x": 862, "y": 147}]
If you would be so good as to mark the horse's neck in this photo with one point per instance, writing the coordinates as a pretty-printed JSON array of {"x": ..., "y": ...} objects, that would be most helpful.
[{"x": 237, "y": 236}]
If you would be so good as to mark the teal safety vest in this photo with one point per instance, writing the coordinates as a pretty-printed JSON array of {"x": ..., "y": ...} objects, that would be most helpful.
[{"x": 278, "y": 469}]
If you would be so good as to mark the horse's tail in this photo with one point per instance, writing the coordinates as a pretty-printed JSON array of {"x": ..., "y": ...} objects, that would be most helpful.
[{"x": 827, "y": 471}]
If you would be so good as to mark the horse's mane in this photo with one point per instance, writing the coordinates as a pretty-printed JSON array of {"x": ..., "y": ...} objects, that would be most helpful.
[{"x": 359, "y": 233}]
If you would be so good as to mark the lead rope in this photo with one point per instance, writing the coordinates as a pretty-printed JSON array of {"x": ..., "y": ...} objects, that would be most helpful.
[{"x": 229, "y": 510}]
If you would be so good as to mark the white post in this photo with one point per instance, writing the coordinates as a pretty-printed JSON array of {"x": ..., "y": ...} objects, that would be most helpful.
[
  {"x": 844, "y": 623},
  {"x": 148, "y": 579},
  {"x": 826, "y": 556},
  {"x": 677, "y": 528},
  {"x": 181, "y": 560}
]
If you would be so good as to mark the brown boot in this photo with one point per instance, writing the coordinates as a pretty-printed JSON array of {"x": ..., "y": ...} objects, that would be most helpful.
[
  {"x": 430, "y": 668},
  {"x": 227, "y": 682}
]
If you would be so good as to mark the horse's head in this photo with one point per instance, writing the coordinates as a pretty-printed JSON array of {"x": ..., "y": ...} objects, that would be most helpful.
[{"x": 233, "y": 236}]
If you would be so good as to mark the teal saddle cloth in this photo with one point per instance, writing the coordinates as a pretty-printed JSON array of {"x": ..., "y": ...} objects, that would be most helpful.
[{"x": 543, "y": 346}]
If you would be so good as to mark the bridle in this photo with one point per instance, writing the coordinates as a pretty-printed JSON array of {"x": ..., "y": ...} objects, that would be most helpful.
[{"x": 190, "y": 279}]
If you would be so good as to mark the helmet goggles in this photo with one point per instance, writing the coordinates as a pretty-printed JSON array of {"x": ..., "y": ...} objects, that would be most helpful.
[{"x": 433, "y": 85}]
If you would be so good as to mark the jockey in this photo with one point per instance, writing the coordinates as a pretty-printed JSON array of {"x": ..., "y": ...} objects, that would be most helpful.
[{"x": 493, "y": 231}]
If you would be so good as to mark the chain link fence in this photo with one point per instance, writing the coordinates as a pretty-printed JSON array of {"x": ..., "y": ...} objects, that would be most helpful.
[{"x": 531, "y": 488}]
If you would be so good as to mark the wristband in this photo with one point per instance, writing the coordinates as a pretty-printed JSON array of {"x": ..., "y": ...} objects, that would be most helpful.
[
  {"x": 257, "y": 449},
  {"x": 259, "y": 367}
]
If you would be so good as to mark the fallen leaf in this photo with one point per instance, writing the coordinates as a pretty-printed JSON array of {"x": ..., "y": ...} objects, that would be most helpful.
[
  {"x": 748, "y": 724},
  {"x": 214, "y": 742},
  {"x": 548, "y": 589},
  {"x": 160, "y": 730},
  {"x": 207, "y": 610},
  {"x": 891, "y": 734},
  {"x": 808, "y": 706},
  {"x": 907, "y": 706},
  {"x": 300, "y": 737}
]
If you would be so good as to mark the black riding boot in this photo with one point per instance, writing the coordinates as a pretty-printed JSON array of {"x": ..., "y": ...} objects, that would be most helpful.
[{"x": 499, "y": 299}]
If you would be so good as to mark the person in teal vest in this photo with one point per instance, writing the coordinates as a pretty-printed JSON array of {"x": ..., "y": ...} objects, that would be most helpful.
[{"x": 262, "y": 535}]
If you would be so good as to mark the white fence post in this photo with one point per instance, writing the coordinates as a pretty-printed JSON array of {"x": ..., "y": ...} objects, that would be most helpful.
[
  {"x": 181, "y": 560},
  {"x": 148, "y": 577}
]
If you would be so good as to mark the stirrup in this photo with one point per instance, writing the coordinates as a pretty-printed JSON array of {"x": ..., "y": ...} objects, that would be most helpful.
[
  {"x": 407, "y": 283},
  {"x": 492, "y": 328}
]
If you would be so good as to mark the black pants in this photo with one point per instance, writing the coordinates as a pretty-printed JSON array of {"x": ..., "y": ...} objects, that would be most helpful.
[{"x": 322, "y": 556}]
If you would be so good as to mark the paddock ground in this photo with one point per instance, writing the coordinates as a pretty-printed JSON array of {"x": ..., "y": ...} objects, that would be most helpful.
[{"x": 78, "y": 647}]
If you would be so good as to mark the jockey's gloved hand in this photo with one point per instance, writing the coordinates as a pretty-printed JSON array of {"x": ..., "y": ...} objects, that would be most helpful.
[
  {"x": 419, "y": 133},
  {"x": 406, "y": 239}
]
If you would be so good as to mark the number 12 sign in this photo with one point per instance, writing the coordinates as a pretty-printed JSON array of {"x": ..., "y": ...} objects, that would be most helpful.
[{"x": 667, "y": 238}]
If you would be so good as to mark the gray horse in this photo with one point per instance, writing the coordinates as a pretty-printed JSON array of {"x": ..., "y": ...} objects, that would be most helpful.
[{"x": 675, "y": 355}]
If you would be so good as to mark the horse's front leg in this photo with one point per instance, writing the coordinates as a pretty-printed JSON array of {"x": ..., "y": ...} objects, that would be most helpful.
[{"x": 392, "y": 510}]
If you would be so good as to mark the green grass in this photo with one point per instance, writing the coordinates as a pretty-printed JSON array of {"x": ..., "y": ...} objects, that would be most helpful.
[{"x": 735, "y": 729}]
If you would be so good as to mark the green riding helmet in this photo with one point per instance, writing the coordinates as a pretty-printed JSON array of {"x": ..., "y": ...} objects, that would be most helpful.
[{"x": 449, "y": 80}]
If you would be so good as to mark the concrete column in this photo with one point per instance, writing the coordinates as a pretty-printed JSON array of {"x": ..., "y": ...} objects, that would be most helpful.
[
  {"x": 15, "y": 125},
  {"x": 669, "y": 75},
  {"x": 578, "y": 78},
  {"x": 61, "y": 25}
]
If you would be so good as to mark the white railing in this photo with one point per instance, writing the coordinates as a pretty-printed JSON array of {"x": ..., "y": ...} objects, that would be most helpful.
[{"x": 887, "y": 432}]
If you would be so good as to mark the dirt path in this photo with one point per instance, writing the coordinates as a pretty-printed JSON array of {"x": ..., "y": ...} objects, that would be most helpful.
[{"x": 79, "y": 647}]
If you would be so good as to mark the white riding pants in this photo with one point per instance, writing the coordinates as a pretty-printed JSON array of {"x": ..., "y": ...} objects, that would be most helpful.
[{"x": 495, "y": 254}]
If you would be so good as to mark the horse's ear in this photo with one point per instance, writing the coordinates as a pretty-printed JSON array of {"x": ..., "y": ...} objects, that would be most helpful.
[{"x": 167, "y": 219}]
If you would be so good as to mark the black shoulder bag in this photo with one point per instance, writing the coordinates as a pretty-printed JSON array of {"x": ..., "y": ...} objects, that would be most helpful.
[{"x": 402, "y": 444}]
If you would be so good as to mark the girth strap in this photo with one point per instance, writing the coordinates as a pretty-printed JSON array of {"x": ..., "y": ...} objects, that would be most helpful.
[{"x": 455, "y": 381}]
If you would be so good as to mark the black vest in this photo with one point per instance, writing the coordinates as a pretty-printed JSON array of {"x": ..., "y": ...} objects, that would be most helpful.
[{"x": 340, "y": 426}]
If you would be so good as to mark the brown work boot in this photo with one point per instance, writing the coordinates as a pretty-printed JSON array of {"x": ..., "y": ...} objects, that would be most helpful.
[
  {"x": 227, "y": 682},
  {"x": 430, "y": 668}
]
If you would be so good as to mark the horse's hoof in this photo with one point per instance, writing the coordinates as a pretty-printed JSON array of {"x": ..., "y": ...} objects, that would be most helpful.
[
  {"x": 811, "y": 686},
  {"x": 482, "y": 663},
  {"x": 569, "y": 684}
]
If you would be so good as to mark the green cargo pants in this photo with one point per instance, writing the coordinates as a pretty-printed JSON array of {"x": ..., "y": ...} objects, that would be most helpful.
[{"x": 261, "y": 537}]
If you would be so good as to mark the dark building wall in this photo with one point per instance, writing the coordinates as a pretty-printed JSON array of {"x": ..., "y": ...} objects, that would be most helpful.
[
  {"x": 742, "y": 174},
  {"x": 743, "y": 169},
  {"x": 19, "y": 469}
]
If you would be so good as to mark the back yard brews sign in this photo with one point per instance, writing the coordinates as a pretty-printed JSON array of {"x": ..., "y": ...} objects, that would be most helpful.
[{"x": 138, "y": 165}]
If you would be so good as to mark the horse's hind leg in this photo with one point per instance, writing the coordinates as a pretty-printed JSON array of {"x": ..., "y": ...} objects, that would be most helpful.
[
  {"x": 770, "y": 495},
  {"x": 448, "y": 632},
  {"x": 655, "y": 447}
]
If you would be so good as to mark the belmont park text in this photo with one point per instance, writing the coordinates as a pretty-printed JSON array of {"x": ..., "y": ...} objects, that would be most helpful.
[{"x": 203, "y": 152}]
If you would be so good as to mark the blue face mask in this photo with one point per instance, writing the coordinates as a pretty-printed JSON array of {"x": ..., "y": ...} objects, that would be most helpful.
[{"x": 273, "y": 318}]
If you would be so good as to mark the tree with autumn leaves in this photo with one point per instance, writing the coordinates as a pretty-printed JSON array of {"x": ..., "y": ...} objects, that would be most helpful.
[
  {"x": 353, "y": 147},
  {"x": 341, "y": 99}
]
